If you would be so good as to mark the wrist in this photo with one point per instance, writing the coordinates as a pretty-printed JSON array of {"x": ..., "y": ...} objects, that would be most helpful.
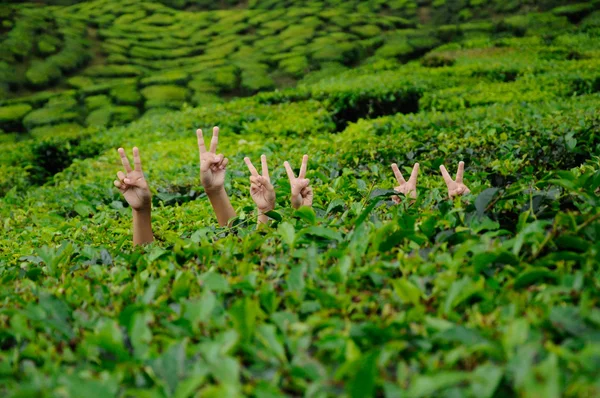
[
  {"x": 214, "y": 191},
  {"x": 143, "y": 210},
  {"x": 265, "y": 209}
]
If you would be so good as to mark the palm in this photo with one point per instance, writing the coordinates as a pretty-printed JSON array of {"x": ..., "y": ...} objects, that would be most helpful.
[
  {"x": 136, "y": 195},
  {"x": 263, "y": 197},
  {"x": 211, "y": 176},
  {"x": 261, "y": 190},
  {"x": 456, "y": 189}
]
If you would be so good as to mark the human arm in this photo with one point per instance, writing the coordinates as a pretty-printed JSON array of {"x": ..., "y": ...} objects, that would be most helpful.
[
  {"x": 261, "y": 190},
  {"x": 302, "y": 193},
  {"x": 136, "y": 192},
  {"x": 212, "y": 177}
]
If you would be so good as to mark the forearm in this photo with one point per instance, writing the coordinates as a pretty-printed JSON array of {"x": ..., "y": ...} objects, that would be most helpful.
[
  {"x": 142, "y": 227},
  {"x": 221, "y": 205}
]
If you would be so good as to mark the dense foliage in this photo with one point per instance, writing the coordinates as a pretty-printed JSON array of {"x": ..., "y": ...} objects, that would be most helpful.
[{"x": 493, "y": 295}]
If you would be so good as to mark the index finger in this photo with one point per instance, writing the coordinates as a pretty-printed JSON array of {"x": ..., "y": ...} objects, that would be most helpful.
[
  {"x": 265, "y": 168},
  {"x": 289, "y": 171},
  {"x": 398, "y": 174},
  {"x": 445, "y": 174},
  {"x": 303, "y": 167},
  {"x": 414, "y": 174},
  {"x": 124, "y": 160},
  {"x": 251, "y": 167},
  {"x": 460, "y": 173},
  {"x": 214, "y": 140},
  {"x": 137, "y": 161},
  {"x": 201, "y": 145}
]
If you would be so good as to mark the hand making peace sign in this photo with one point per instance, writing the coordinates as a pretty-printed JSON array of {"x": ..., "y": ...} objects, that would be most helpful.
[
  {"x": 212, "y": 166},
  {"x": 408, "y": 188},
  {"x": 132, "y": 183},
  {"x": 302, "y": 193},
  {"x": 261, "y": 189},
  {"x": 455, "y": 187}
]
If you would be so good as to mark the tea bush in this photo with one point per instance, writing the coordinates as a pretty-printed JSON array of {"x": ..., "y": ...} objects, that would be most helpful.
[{"x": 493, "y": 294}]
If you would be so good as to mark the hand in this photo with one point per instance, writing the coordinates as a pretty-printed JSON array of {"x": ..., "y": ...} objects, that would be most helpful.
[
  {"x": 212, "y": 166},
  {"x": 408, "y": 188},
  {"x": 132, "y": 184},
  {"x": 302, "y": 193},
  {"x": 455, "y": 187},
  {"x": 261, "y": 189}
]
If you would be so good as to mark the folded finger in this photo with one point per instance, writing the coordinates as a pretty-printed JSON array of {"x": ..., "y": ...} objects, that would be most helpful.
[
  {"x": 265, "y": 181},
  {"x": 217, "y": 159},
  {"x": 224, "y": 163},
  {"x": 118, "y": 184},
  {"x": 121, "y": 175}
]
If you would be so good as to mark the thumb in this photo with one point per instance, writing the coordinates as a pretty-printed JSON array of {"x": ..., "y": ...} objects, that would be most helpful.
[{"x": 303, "y": 183}]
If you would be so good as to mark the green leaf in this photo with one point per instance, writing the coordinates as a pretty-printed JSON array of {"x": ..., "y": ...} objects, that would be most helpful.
[
  {"x": 268, "y": 336},
  {"x": 484, "y": 199},
  {"x": 274, "y": 215},
  {"x": 323, "y": 233},
  {"x": 485, "y": 380},
  {"x": 408, "y": 292},
  {"x": 243, "y": 313},
  {"x": 461, "y": 291},
  {"x": 215, "y": 282},
  {"x": 170, "y": 366},
  {"x": 428, "y": 385},
  {"x": 307, "y": 214},
  {"x": 362, "y": 384},
  {"x": 532, "y": 275},
  {"x": 287, "y": 233},
  {"x": 295, "y": 279},
  {"x": 335, "y": 206},
  {"x": 181, "y": 286}
]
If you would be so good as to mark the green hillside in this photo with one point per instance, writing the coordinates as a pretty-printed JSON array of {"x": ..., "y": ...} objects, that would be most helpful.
[{"x": 495, "y": 294}]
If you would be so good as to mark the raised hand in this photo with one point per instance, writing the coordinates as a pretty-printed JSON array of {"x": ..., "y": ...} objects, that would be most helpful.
[
  {"x": 455, "y": 187},
  {"x": 212, "y": 166},
  {"x": 302, "y": 193},
  {"x": 132, "y": 183},
  {"x": 261, "y": 189},
  {"x": 134, "y": 188},
  {"x": 408, "y": 188}
]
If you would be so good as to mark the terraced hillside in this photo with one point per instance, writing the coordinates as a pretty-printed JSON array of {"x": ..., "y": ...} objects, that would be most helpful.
[
  {"x": 91, "y": 64},
  {"x": 494, "y": 294}
]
